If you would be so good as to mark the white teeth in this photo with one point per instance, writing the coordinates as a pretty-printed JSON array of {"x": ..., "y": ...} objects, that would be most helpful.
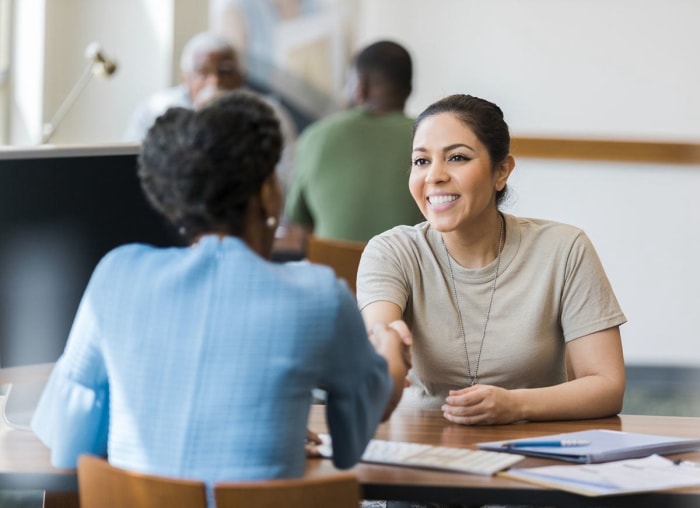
[{"x": 440, "y": 200}]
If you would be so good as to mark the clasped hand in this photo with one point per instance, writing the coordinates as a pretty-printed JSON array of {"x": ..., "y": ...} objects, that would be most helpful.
[
  {"x": 480, "y": 405},
  {"x": 312, "y": 442},
  {"x": 384, "y": 338},
  {"x": 393, "y": 341}
]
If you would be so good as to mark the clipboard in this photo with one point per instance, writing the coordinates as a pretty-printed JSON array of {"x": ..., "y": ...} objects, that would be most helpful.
[{"x": 603, "y": 446}]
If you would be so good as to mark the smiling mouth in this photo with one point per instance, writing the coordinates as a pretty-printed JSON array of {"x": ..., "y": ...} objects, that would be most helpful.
[{"x": 442, "y": 199}]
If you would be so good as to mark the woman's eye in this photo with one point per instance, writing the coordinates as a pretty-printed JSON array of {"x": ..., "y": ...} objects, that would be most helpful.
[
  {"x": 458, "y": 157},
  {"x": 420, "y": 161}
]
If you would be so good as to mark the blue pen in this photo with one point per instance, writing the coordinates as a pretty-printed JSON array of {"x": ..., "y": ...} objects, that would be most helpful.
[{"x": 561, "y": 443}]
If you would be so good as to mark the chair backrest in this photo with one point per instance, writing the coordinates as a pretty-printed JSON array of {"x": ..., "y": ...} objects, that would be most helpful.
[
  {"x": 342, "y": 256},
  {"x": 339, "y": 491},
  {"x": 102, "y": 485}
]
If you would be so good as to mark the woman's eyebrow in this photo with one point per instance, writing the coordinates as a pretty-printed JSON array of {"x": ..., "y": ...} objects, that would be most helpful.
[{"x": 458, "y": 145}]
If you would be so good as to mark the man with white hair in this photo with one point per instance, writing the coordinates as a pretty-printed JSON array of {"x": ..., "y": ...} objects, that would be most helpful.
[
  {"x": 209, "y": 66},
  {"x": 207, "y": 60}
]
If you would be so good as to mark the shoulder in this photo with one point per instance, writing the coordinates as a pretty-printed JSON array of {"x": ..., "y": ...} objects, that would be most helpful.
[
  {"x": 333, "y": 122},
  {"x": 416, "y": 234},
  {"x": 404, "y": 241},
  {"x": 159, "y": 102},
  {"x": 124, "y": 258},
  {"x": 547, "y": 229},
  {"x": 304, "y": 273},
  {"x": 310, "y": 293},
  {"x": 123, "y": 267},
  {"x": 152, "y": 107},
  {"x": 309, "y": 281},
  {"x": 552, "y": 236},
  {"x": 399, "y": 118},
  {"x": 173, "y": 96}
]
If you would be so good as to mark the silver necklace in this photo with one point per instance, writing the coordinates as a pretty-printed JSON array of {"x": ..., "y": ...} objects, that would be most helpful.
[{"x": 475, "y": 378}]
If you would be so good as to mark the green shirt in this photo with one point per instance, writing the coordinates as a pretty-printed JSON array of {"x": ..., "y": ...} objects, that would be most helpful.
[{"x": 350, "y": 178}]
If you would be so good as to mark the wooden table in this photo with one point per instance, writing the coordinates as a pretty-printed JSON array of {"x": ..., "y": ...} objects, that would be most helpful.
[
  {"x": 24, "y": 461},
  {"x": 428, "y": 426}
]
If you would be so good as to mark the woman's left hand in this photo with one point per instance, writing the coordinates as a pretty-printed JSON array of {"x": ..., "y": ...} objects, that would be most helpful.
[
  {"x": 312, "y": 442},
  {"x": 480, "y": 405}
]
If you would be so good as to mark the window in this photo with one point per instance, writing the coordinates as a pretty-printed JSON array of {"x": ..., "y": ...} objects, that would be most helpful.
[{"x": 5, "y": 34}]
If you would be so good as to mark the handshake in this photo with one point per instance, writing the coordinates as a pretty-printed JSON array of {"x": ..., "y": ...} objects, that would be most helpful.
[{"x": 393, "y": 341}]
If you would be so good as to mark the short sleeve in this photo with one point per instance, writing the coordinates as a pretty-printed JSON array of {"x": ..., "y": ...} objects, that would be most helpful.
[
  {"x": 382, "y": 274},
  {"x": 589, "y": 304}
]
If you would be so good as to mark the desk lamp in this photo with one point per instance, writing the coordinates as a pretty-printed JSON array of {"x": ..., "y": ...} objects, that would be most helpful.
[{"x": 98, "y": 65}]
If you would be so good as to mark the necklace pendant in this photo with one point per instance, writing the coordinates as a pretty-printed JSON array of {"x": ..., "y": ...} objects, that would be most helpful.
[{"x": 475, "y": 380}]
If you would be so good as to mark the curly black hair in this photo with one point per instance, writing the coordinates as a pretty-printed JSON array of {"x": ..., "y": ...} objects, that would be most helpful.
[{"x": 200, "y": 168}]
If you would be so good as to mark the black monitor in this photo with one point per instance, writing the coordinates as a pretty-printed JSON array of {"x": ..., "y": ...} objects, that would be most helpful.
[{"x": 61, "y": 210}]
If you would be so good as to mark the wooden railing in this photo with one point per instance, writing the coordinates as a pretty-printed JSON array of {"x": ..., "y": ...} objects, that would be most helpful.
[{"x": 606, "y": 150}]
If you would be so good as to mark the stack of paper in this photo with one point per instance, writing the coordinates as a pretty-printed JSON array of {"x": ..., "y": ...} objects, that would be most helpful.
[{"x": 617, "y": 477}]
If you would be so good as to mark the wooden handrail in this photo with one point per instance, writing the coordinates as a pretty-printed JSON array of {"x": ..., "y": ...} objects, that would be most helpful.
[{"x": 606, "y": 150}]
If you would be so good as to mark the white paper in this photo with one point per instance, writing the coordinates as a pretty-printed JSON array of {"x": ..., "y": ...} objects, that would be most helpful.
[{"x": 624, "y": 476}]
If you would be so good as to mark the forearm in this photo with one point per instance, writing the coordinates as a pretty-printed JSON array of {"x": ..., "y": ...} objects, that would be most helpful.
[
  {"x": 393, "y": 342},
  {"x": 591, "y": 396},
  {"x": 596, "y": 385},
  {"x": 595, "y": 389},
  {"x": 398, "y": 372}
]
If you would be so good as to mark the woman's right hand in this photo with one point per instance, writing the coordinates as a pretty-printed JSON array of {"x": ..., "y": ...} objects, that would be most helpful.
[{"x": 393, "y": 341}]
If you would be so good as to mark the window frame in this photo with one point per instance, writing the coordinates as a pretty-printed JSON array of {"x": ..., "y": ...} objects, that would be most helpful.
[{"x": 5, "y": 68}]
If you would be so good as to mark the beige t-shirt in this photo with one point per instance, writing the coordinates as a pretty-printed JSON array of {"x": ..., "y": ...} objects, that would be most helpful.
[{"x": 551, "y": 288}]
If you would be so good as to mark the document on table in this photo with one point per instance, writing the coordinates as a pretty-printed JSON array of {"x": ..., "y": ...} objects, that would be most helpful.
[
  {"x": 610, "y": 478},
  {"x": 599, "y": 445}
]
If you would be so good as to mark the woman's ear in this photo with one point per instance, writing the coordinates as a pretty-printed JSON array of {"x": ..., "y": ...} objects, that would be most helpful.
[
  {"x": 271, "y": 198},
  {"x": 503, "y": 171}
]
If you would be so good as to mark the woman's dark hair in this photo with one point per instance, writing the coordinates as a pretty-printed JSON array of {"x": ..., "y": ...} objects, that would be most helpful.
[
  {"x": 484, "y": 118},
  {"x": 201, "y": 168}
]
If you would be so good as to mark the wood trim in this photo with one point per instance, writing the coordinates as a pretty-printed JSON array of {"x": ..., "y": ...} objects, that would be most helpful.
[{"x": 606, "y": 150}]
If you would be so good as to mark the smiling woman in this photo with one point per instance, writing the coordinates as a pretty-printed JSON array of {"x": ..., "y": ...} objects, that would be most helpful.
[{"x": 513, "y": 318}]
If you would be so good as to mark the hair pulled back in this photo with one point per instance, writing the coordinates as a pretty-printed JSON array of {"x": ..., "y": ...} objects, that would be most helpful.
[
  {"x": 200, "y": 169},
  {"x": 484, "y": 118}
]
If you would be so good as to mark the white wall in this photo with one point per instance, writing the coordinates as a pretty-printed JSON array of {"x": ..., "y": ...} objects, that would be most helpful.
[
  {"x": 143, "y": 36},
  {"x": 598, "y": 69},
  {"x": 644, "y": 220},
  {"x": 587, "y": 69},
  {"x": 623, "y": 69}
]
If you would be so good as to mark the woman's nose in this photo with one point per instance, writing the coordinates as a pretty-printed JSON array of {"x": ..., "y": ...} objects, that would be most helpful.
[{"x": 436, "y": 173}]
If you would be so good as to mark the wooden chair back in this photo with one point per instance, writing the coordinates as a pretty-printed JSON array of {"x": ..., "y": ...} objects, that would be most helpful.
[
  {"x": 339, "y": 491},
  {"x": 342, "y": 256},
  {"x": 102, "y": 485}
]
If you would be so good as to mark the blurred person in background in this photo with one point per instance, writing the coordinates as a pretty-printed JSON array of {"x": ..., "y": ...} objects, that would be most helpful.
[
  {"x": 209, "y": 66},
  {"x": 350, "y": 168}
]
